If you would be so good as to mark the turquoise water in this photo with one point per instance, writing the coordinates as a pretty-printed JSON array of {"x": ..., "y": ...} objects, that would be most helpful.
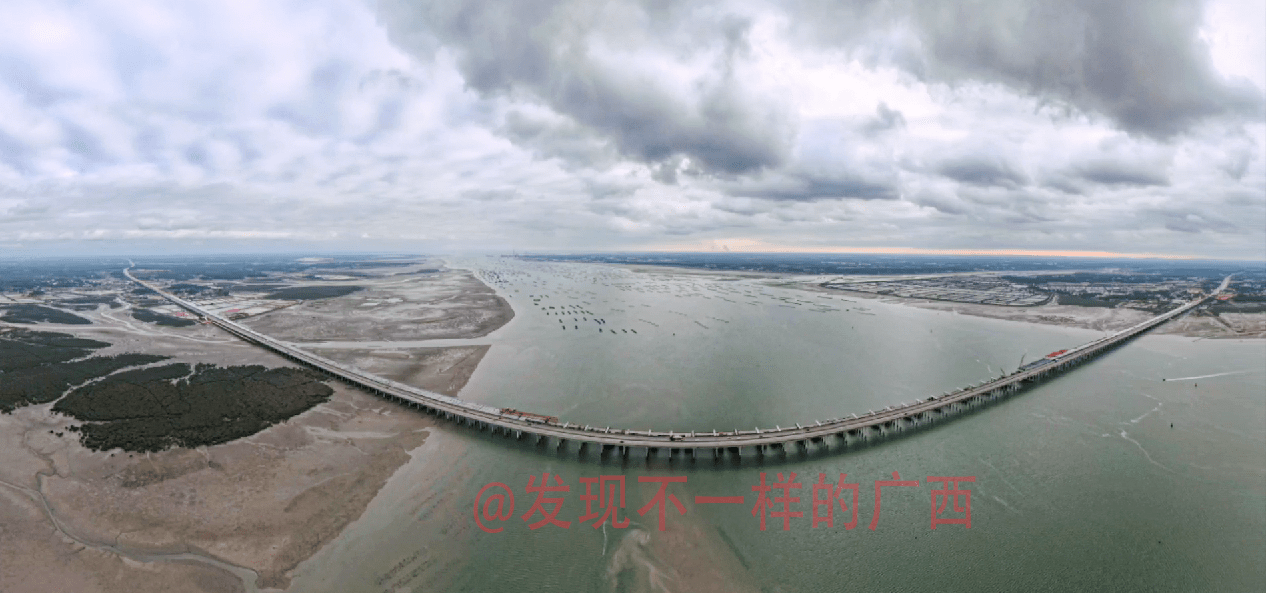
[{"x": 1081, "y": 483}]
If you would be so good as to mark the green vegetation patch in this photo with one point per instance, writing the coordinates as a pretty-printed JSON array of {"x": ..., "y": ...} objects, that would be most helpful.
[
  {"x": 307, "y": 293},
  {"x": 151, "y": 316},
  {"x": 38, "y": 367},
  {"x": 21, "y": 348},
  {"x": 177, "y": 406},
  {"x": 89, "y": 303},
  {"x": 1083, "y": 301},
  {"x": 45, "y": 383},
  {"x": 26, "y": 313},
  {"x": 255, "y": 287}
]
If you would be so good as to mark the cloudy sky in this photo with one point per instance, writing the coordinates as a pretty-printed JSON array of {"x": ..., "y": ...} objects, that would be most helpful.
[{"x": 1133, "y": 126}]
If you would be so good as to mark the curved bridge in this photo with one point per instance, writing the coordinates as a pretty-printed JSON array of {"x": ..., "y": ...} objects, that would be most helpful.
[{"x": 857, "y": 426}]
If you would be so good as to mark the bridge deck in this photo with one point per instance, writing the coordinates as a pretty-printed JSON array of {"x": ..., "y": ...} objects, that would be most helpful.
[{"x": 607, "y": 436}]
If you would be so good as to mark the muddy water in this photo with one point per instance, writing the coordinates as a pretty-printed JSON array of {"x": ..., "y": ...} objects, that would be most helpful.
[{"x": 1081, "y": 483}]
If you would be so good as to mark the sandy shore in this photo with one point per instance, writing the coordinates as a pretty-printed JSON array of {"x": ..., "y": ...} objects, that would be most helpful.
[
  {"x": 1224, "y": 325},
  {"x": 264, "y": 503},
  {"x": 233, "y": 517},
  {"x": 446, "y": 304},
  {"x": 1227, "y": 325}
]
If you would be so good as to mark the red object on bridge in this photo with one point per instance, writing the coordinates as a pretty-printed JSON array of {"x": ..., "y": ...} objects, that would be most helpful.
[{"x": 1056, "y": 353}]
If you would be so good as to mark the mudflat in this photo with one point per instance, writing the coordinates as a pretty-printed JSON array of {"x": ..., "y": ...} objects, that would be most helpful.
[
  {"x": 439, "y": 304},
  {"x": 1223, "y": 325},
  {"x": 240, "y": 515}
]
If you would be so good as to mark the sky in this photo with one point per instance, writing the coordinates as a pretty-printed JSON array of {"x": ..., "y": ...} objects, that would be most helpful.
[{"x": 983, "y": 126}]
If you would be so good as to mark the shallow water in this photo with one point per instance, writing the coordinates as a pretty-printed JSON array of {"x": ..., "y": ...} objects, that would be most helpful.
[{"x": 1081, "y": 483}]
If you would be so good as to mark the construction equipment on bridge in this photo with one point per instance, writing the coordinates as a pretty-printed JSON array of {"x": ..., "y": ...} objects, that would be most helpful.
[
  {"x": 529, "y": 416},
  {"x": 1032, "y": 365}
]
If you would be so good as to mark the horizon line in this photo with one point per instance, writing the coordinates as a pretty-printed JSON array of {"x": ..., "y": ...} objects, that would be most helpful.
[
  {"x": 1064, "y": 253},
  {"x": 763, "y": 250}
]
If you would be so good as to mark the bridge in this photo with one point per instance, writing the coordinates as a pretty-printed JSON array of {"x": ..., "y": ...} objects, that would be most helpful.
[{"x": 543, "y": 428}]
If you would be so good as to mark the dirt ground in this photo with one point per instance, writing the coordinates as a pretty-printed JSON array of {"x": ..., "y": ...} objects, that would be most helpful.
[
  {"x": 443, "y": 370},
  {"x": 445, "y": 304},
  {"x": 263, "y": 504},
  {"x": 242, "y": 515}
]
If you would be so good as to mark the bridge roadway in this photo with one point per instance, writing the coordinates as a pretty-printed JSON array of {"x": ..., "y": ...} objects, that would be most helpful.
[{"x": 486, "y": 417}]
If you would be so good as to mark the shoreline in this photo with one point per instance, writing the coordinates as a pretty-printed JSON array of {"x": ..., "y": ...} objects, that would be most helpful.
[
  {"x": 237, "y": 516},
  {"x": 1251, "y": 326},
  {"x": 1074, "y": 316}
]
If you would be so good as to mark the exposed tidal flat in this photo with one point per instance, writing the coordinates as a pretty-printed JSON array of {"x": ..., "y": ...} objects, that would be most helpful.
[
  {"x": 1081, "y": 482},
  {"x": 178, "y": 508}
]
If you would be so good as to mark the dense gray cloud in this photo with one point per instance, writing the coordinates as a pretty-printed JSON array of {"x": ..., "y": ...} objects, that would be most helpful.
[
  {"x": 574, "y": 125},
  {"x": 574, "y": 57},
  {"x": 983, "y": 171},
  {"x": 804, "y": 185},
  {"x": 1141, "y": 63},
  {"x": 885, "y": 119},
  {"x": 1118, "y": 173}
]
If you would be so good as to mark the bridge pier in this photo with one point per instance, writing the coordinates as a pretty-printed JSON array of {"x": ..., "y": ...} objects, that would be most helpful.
[{"x": 991, "y": 390}]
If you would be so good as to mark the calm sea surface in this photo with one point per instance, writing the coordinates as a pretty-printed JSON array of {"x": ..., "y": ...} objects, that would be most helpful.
[{"x": 1081, "y": 483}]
